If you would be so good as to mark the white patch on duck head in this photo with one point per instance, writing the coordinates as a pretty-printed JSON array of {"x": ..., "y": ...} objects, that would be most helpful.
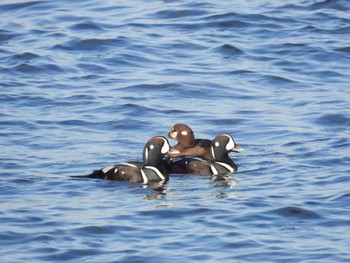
[
  {"x": 217, "y": 144},
  {"x": 231, "y": 144},
  {"x": 151, "y": 146},
  {"x": 173, "y": 133},
  {"x": 184, "y": 133},
  {"x": 166, "y": 146}
]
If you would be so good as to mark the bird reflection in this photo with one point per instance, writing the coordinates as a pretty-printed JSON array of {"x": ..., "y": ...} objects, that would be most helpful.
[
  {"x": 223, "y": 181},
  {"x": 158, "y": 190}
]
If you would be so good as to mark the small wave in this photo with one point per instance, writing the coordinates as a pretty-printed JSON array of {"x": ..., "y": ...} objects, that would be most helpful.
[
  {"x": 133, "y": 58},
  {"x": 185, "y": 212},
  {"x": 19, "y": 6},
  {"x": 28, "y": 67},
  {"x": 176, "y": 14},
  {"x": 229, "y": 50},
  {"x": 6, "y": 35},
  {"x": 131, "y": 125},
  {"x": 94, "y": 230},
  {"x": 26, "y": 56},
  {"x": 293, "y": 144},
  {"x": 294, "y": 44},
  {"x": 18, "y": 123},
  {"x": 86, "y": 25},
  {"x": 9, "y": 237},
  {"x": 342, "y": 197},
  {"x": 313, "y": 29},
  {"x": 95, "y": 44},
  {"x": 235, "y": 20},
  {"x": 70, "y": 254},
  {"x": 229, "y": 24},
  {"x": 278, "y": 79},
  {"x": 343, "y": 49},
  {"x": 242, "y": 72},
  {"x": 79, "y": 123},
  {"x": 224, "y": 16},
  {"x": 217, "y": 121},
  {"x": 93, "y": 67},
  {"x": 292, "y": 211},
  {"x": 150, "y": 87},
  {"x": 340, "y": 5},
  {"x": 131, "y": 109},
  {"x": 327, "y": 74},
  {"x": 334, "y": 119}
]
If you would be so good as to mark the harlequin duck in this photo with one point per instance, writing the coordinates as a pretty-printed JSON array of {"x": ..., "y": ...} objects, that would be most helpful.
[
  {"x": 187, "y": 145},
  {"x": 218, "y": 163},
  {"x": 152, "y": 168}
]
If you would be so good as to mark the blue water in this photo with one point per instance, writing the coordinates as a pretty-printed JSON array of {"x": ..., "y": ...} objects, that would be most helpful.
[{"x": 84, "y": 84}]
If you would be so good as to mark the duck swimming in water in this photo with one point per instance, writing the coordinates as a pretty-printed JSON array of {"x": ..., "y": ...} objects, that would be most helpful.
[
  {"x": 187, "y": 144},
  {"x": 218, "y": 162},
  {"x": 152, "y": 169}
]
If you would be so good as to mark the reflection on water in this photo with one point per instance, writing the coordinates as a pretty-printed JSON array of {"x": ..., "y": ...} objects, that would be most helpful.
[
  {"x": 223, "y": 181},
  {"x": 158, "y": 190}
]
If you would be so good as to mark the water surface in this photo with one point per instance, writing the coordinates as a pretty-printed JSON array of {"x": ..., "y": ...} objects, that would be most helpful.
[{"x": 85, "y": 85}]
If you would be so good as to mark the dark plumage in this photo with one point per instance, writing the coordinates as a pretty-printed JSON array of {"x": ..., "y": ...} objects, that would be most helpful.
[
  {"x": 218, "y": 163},
  {"x": 152, "y": 169}
]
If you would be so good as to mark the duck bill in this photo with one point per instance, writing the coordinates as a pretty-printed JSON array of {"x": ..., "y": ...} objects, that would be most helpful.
[
  {"x": 237, "y": 149},
  {"x": 172, "y": 135}
]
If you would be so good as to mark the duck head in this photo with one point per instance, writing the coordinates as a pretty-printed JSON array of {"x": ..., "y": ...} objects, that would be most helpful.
[
  {"x": 221, "y": 146},
  {"x": 155, "y": 149},
  {"x": 183, "y": 134}
]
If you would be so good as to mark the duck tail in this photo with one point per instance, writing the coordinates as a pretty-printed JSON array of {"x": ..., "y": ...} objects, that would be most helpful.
[{"x": 98, "y": 174}]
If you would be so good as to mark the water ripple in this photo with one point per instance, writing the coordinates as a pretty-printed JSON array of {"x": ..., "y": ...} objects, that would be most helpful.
[
  {"x": 85, "y": 84},
  {"x": 296, "y": 212}
]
